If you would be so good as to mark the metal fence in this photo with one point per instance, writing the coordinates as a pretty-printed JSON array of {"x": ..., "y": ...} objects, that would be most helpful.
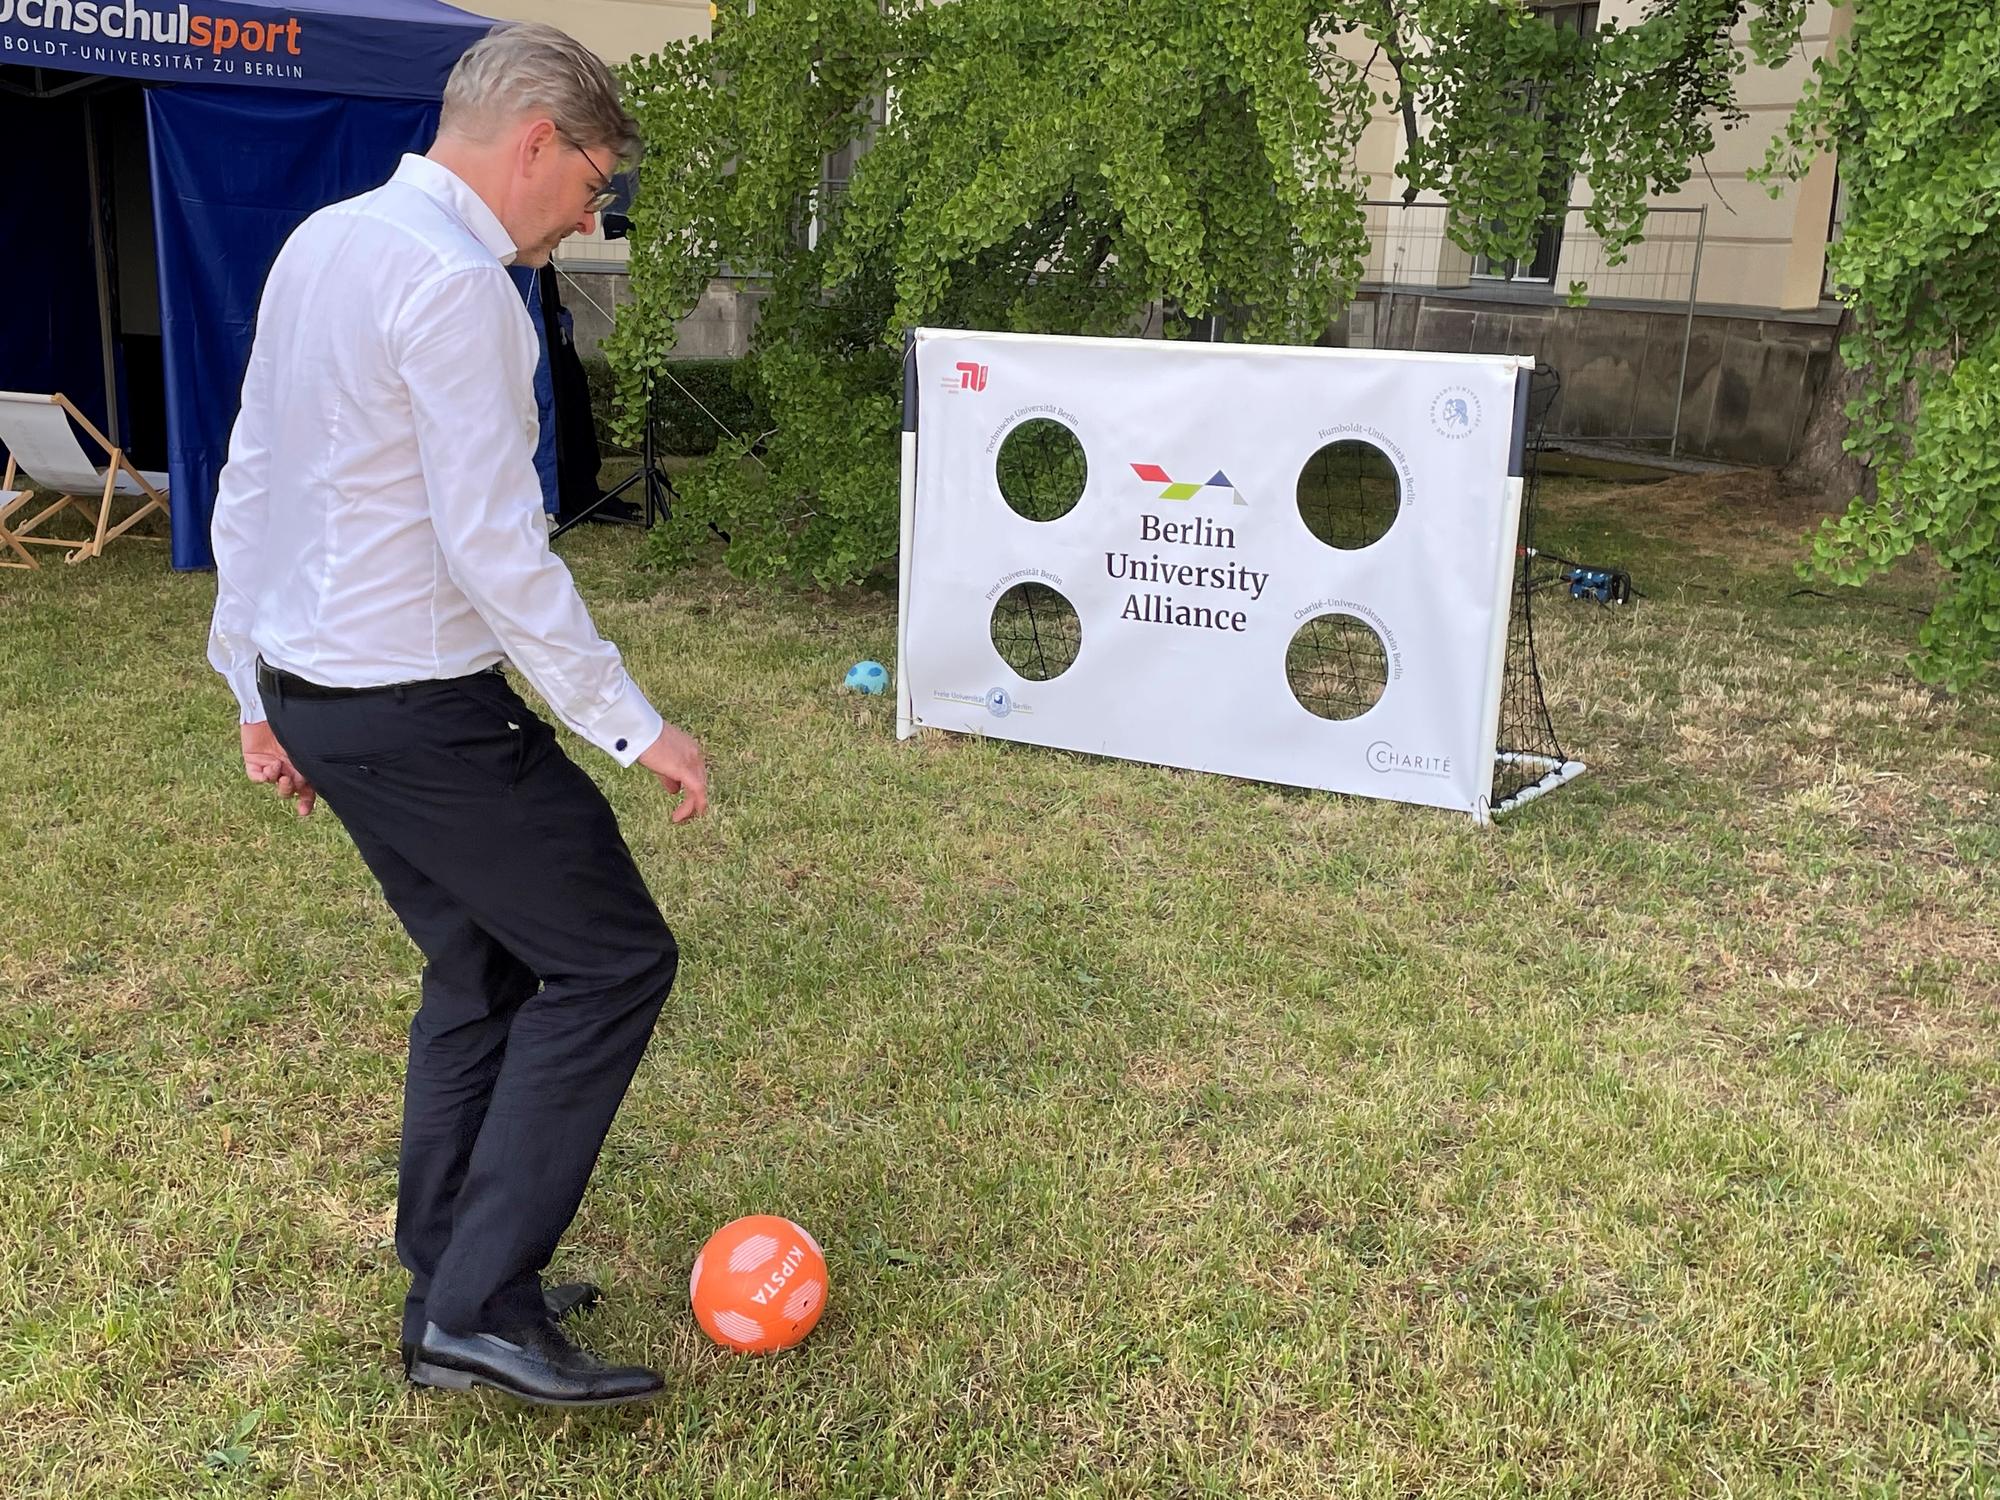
[{"x": 1421, "y": 290}]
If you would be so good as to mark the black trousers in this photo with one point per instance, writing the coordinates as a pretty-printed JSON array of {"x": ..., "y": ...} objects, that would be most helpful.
[{"x": 546, "y": 964}]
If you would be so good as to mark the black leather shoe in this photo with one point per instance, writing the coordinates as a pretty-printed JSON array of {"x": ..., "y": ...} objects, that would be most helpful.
[
  {"x": 535, "y": 1364},
  {"x": 566, "y": 1299}
]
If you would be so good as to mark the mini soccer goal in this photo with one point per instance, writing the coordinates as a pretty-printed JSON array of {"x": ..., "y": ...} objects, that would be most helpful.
[{"x": 1304, "y": 566}]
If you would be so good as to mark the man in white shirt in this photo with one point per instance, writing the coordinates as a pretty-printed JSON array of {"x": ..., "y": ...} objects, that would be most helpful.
[{"x": 381, "y": 549}]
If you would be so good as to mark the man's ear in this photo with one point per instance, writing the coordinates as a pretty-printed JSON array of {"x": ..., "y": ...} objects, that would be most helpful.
[{"x": 538, "y": 140}]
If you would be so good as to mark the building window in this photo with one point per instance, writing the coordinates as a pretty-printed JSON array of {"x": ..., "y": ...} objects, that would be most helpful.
[{"x": 1581, "y": 20}]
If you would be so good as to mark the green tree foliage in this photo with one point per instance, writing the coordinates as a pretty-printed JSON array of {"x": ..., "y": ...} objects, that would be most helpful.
[
  {"x": 1048, "y": 166},
  {"x": 1911, "y": 104}
]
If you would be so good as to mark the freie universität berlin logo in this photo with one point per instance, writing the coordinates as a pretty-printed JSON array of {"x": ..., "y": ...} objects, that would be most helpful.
[{"x": 1180, "y": 489}]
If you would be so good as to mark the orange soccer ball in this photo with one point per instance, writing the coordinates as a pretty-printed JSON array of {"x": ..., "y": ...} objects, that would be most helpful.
[{"x": 759, "y": 1284}]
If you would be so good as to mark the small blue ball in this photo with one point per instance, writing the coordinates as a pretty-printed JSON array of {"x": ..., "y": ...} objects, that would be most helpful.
[{"x": 867, "y": 677}]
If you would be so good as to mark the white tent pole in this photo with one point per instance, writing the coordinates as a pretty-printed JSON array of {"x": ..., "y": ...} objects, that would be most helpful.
[{"x": 103, "y": 273}]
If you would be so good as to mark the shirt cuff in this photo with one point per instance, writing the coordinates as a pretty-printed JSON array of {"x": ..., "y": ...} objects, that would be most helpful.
[
  {"x": 243, "y": 683},
  {"x": 626, "y": 730}
]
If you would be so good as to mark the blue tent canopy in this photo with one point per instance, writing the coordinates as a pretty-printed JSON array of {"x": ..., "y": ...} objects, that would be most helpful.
[
  {"x": 382, "y": 49},
  {"x": 255, "y": 117}
]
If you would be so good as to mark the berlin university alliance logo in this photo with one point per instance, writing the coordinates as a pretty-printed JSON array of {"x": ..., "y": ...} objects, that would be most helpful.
[
  {"x": 1180, "y": 490},
  {"x": 1455, "y": 412}
]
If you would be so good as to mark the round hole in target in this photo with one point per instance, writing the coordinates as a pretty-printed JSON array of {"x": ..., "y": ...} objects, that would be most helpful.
[
  {"x": 1349, "y": 494},
  {"x": 1036, "y": 631},
  {"x": 1041, "y": 470},
  {"x": 1337, "y": 666}
]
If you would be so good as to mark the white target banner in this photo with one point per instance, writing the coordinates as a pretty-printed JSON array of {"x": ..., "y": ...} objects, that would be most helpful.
[{"x": 1285, "y": 564}]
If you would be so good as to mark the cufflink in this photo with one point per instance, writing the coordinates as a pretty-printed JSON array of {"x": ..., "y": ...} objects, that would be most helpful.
[{"x": 620, "y": 745}]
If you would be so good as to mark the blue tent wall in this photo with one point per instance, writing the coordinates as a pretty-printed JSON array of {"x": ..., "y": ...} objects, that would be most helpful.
[
  {"x": 234, "y": 172},
  {"x": 529, "y": 283},
  {"x": 50, "y": 338},
  {"x": 292, "y": 108}
]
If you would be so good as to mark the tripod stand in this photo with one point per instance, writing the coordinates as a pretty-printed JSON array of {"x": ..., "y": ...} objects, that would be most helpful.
[{"x": 659, "y": 488}]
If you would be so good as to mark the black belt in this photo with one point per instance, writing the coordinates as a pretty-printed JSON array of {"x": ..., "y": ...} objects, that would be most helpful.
[{"x": 281, "y": 684}]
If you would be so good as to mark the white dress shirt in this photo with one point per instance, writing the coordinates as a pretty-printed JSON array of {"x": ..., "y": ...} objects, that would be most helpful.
[{"x": 380, "y": 519}]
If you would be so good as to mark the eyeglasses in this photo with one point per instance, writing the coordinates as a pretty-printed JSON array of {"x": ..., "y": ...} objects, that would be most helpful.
[{"x": 605, "y": 196}]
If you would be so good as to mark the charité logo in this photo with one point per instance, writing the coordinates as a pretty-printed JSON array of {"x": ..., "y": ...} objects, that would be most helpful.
[
  {"x": 128, "y": 21},
  {"x": 1385, "y": 757}
]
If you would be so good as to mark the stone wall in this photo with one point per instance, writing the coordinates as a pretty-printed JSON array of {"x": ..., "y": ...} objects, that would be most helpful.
[
  {"x": 719, "y": 328},
  {"x": 1750, "y": 382}
]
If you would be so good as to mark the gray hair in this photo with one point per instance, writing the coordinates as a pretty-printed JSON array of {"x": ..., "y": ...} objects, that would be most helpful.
[{"x": 526, "y": 68}]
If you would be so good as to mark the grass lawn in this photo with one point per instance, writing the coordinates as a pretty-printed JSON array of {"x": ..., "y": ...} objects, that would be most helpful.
[{"x": 1168, "y": 1135}]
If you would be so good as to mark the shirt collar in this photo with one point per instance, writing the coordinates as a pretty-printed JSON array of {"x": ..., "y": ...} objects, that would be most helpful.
[{"x": 451, "y": 190}]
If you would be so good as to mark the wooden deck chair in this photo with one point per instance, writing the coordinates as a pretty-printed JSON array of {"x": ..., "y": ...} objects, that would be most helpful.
[
  {"x": 12, "y": 553},
  {"x": 42, "y": 445}
]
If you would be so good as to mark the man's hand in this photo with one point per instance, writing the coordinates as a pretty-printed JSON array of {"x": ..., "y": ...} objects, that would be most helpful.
[
  {"x": 264, "y": 759},
  {"x": 676, "y": 759}
]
